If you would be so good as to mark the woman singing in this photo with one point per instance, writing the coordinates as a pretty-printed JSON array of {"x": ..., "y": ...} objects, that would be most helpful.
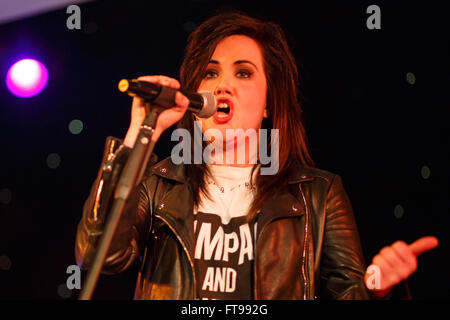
[{"x": 225, "y": 228}]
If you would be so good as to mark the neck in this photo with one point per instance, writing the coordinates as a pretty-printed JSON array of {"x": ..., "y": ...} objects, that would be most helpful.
[{"x": 241, "y": 152}]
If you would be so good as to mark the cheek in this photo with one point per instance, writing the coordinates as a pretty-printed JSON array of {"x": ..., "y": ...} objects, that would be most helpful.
[
  {"x": 255, "y": 120},
  {"x": 255, "y": 102},
  {"x": 251, "y": 117},
  {"x": 206, "y": 86}
]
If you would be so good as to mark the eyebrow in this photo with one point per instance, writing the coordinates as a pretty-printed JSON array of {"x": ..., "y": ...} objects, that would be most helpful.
[{"x": 236, "y": 62}]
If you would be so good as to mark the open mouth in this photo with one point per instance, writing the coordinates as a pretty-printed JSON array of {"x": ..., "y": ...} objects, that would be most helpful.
[
  {"x": 223, "y": 108},
  {"x": 224, "y": 111}
]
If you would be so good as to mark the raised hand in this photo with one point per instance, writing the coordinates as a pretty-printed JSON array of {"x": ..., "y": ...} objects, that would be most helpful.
[
  {"x": 166, "y": 118},
  {"x": 396, "y": 263}
]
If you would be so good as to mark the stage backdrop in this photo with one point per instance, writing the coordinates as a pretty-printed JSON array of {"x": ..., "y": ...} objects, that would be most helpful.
[{"x": 375, "y": 102}]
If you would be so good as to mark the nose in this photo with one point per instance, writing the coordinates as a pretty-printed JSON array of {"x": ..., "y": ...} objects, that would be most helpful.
[{"x": 223, "y": 87}]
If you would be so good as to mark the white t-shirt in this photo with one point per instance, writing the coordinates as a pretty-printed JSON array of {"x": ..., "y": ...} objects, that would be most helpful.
[
  {"x": 230, "y": 192},
  {"x": 224, "y": 239}
]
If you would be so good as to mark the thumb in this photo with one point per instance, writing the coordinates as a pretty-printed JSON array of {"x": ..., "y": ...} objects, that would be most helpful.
[{"x": 423, "y": 244}]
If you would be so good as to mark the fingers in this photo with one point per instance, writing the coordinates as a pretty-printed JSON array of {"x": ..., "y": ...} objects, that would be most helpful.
[
  {"x": 389, "y": 276},
  {"x": 405, "y": 253},
  {"x": 400, "y": 259},
  {"x": 181, "y": 100},
  {"x": 138, "y": 111},
  {"x": 423, "y": 244},
  {"x": 162, "y": 80},
  {"x": 166, "y": 118}
]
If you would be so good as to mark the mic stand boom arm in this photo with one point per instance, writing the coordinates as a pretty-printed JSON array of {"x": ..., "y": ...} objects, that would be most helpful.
[{"x": 131, "y": 175}]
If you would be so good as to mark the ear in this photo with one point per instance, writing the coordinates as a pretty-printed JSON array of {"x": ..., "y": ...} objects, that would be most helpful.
[{"x": 266, "y": 113}]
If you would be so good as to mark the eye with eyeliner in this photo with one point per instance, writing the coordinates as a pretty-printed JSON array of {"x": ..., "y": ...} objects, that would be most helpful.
[
  {"x": 211, "y": 74},
  {"x": 241, "y": 73},
  {"x": 246, "y": 72}
]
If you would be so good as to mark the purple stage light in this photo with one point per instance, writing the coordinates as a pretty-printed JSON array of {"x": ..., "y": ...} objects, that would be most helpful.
[{"x": 26, "y": 78}]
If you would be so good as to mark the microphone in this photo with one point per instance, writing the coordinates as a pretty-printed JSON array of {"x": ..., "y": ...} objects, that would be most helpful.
[{"x": 204, "y": 103}]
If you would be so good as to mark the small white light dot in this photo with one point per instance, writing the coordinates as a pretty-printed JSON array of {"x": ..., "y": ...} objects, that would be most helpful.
[
  {"x": 5, "y": 196},
  {"x": 426, "y": 172},
  {"x": 5, "y": 263},
  {"x": 63, "y": 291},
  {"x": 75, "y": 126},
  {"x": 53, "y": 160},
  {"x": 398, "y": 211}
]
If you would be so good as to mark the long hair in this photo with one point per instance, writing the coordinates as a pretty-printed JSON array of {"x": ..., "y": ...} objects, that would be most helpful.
[{"x": 282, "y": 98}]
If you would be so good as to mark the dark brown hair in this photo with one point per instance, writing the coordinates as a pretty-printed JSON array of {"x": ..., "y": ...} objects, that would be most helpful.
[{"x": 282, "y": 95}]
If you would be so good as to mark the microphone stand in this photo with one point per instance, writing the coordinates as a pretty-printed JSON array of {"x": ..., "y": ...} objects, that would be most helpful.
[{"x": 129, "y": 178}]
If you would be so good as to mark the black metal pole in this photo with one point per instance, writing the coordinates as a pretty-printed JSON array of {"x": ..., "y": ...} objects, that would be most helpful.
[{"x": 129, "y": 178}]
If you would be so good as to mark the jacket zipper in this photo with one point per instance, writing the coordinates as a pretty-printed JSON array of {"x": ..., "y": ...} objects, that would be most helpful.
[
  {"x": 255, "y": 247},
  {"x": 306, "y": 294},
  {"x": 185, "y": 250}
]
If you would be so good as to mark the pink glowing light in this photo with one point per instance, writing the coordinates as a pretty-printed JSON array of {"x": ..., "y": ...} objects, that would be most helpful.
[{"x": 26, "y": 78}]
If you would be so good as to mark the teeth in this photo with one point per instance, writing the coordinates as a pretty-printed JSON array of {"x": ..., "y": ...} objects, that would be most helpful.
[{"x": 223, "y": 110}]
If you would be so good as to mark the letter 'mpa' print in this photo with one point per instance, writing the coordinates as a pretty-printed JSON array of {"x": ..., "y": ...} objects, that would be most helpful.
[
  {"x": 207, "y": 245},
  {"x": 204, "y": 242},
  {"x": 223, "y": 254}
]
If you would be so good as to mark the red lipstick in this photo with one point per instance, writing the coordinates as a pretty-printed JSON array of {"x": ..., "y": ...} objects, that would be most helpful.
[{"x": 221, "y": 116}]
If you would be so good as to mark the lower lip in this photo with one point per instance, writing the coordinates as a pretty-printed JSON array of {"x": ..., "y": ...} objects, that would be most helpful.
[{"x": 223, "y": 119}]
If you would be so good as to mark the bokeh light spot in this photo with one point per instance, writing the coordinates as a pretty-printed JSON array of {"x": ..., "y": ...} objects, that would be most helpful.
[
  {"x": 63, "y": 291},
  {"x": 26, "y": 78},
  {"x": 53, "y": 160},
  {"x": 5, "y": 196},
  {"x": 5, "y": 263},
  {"x": 399, "y": 211},
  {"x": 411, "y": 78},
  {"x": 426, "y": 172},
  {"x": 75, "y": 126}
]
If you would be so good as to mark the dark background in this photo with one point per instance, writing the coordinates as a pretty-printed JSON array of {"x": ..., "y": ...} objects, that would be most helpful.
[{"x": 364, "y": 121}]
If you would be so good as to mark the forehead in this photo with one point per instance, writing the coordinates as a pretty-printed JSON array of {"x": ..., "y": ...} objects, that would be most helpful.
[{"x": 237, "y": 47}]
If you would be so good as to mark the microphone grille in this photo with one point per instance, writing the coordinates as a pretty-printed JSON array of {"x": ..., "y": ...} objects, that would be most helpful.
[{"x": 209, "y": 104}]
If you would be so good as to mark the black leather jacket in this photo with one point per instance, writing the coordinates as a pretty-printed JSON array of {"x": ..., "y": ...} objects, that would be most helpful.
[{"x": 307, "y": 245}]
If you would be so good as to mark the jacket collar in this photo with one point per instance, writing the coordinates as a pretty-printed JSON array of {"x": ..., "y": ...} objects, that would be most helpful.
[
  {"x": 167, "y": 169},
  {"x": 301, "y": 173},
  {"x": 176, "y": 205}
]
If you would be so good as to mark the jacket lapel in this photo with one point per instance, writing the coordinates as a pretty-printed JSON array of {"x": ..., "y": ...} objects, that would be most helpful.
[
  {"x": 176, "y": 206},
  {"x": 282, "y": 206}
]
